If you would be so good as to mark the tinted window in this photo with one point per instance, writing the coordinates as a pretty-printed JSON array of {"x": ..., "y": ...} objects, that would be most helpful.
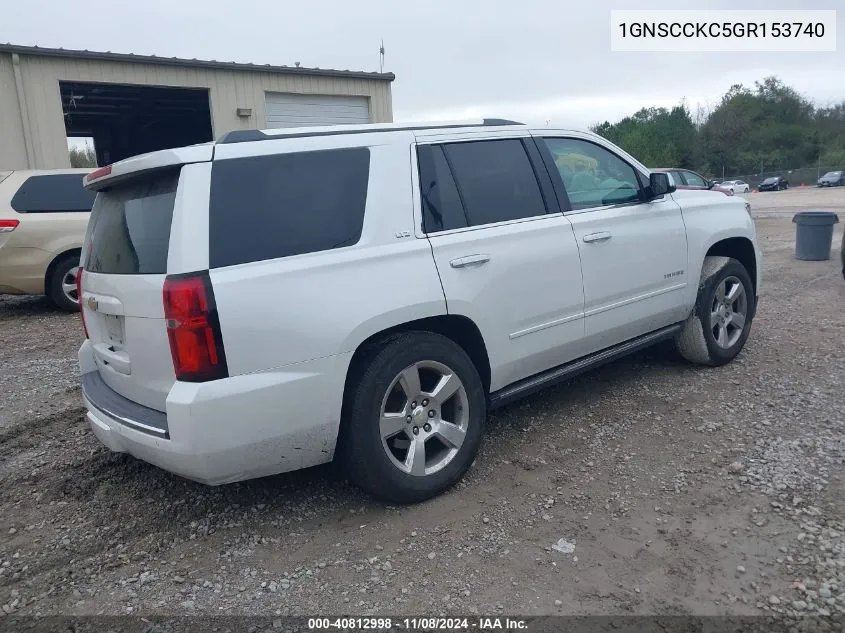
[
  {"x": 442, "y": 208},
  {"x": 694, "y": 180},
  {"x": 59, "y": 192},
  {"x": 593, "y": 176},
  {"x": 495, "y": 180},
  {"x": 129, "y": 229},
  {"x": 266, "y": 207},
  {"x": 678, "y": 177}
]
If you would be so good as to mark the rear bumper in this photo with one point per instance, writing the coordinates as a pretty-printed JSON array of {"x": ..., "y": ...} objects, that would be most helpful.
[{"x": 232, "y": 429}]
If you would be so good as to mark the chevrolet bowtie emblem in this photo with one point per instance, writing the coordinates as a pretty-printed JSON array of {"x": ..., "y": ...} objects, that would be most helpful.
[{"x": 92, "y": 304}]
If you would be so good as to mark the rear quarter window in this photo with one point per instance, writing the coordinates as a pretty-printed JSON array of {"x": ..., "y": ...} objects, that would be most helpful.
[
  {"x": 266, "y": 207},
  {"x": 52, "y": 193}
]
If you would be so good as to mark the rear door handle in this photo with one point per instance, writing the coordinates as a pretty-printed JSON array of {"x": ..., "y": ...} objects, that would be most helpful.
[
  {"x": 602, "y": 236},
  {"x": 469, "y": 260}
]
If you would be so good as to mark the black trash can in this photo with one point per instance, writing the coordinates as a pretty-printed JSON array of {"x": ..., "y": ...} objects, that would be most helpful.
[{"x": 814, "y": 234}]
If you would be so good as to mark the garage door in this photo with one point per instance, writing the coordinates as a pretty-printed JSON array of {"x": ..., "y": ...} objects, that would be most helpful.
[{"x": 290, "y": 110}]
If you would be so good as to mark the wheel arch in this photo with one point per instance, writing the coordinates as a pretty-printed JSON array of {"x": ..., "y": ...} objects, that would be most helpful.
[
  {"x": 52, "y": 266},
  {"x": 459, "y": 329},
  {"x": 740, "y": 249}
]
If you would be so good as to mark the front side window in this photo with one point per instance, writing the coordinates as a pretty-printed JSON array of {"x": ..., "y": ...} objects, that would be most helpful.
[
  {"x": 495, "y": 180},
  {"x": 592, "y": 175},
  {"x": 694, "y": 180}
]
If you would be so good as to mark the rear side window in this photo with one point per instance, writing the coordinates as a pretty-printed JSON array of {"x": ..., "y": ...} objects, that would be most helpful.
[
  {"x": 129, "y": 229},
  {"x": 52, "y": 193},
  {"x": 266, "y": 207},
  {"x": 442, "y": 208},
  {"x": 495, "y": 180}
]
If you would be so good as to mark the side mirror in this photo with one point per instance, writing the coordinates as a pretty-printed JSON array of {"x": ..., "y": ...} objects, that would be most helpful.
[
  {"x": 710, "y": 184},
  {"x": 660, "y": 183}
]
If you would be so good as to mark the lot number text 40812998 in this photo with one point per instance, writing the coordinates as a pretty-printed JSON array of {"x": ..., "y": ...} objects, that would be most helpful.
[{"x": 417, "y": 624}]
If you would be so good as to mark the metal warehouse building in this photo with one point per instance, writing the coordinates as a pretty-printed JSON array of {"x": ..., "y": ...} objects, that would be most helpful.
[{"x": 132, "y": 104}]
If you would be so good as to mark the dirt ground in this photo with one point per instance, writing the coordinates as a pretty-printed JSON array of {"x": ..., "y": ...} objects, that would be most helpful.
[{"x": 684, "y": 490}]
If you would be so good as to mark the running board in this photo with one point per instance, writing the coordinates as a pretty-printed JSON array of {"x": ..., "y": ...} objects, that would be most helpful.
[{"x": 560, "y": 373}]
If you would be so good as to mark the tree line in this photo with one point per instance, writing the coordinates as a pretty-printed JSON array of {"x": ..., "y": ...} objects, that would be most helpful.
[
  {"x": 767, "y": 128},
  {"x": 82, "y": 156}
]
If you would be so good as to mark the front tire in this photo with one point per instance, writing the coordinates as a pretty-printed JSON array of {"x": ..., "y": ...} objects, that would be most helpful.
[
  {"x": 414, "y": 418},
  {"x": 720, "y": 322},
  {"x": 61, "y": 286}
]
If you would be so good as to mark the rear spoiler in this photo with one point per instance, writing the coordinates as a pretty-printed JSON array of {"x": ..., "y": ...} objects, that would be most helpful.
[{"x": 131, "y": 167}]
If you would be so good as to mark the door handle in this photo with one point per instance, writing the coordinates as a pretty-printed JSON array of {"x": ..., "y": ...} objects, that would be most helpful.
[
  {"x": 469, "y": 260},
  {"x": 602, "y": 236}
]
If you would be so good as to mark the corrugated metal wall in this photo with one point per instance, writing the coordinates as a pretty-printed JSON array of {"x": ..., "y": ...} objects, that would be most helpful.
[{"x": 228, "y": 90}]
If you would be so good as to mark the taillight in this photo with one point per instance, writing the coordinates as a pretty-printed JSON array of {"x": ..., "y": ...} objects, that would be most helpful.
[
  {"x": 8, "y": 225},
  {"x": 79, "y": 298},
  {"x": 196, "y": 343}
]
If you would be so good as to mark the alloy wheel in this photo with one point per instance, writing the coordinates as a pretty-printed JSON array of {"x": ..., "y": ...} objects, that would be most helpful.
[
  {"x": 729, "y": 312},
  {"x": 424, "y": 418},
  {"x": 69, "y": 285}
]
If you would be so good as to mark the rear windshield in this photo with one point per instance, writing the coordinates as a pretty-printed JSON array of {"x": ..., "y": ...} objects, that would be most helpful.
[
  {"x": 129, "y": 229},
  {"x": 770, "y": 180},
  {"x": 52, "y": 193},
  {"x": 266, "y": 207}
]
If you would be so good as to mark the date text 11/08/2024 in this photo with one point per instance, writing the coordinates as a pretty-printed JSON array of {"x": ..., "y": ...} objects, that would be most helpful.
[{"x": 417, "y": 624}]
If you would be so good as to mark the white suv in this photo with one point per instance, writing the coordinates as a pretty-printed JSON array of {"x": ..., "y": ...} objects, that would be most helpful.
[{"x": 279, "y": 298}]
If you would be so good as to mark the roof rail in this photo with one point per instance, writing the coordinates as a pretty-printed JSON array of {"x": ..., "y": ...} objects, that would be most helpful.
[
  {"x": 501, "y": 122},
  {"x": 247, "y": 136}
]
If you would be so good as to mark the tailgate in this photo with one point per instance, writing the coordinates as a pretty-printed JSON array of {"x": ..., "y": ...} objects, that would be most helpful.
[{"x": 124, "y": 266}]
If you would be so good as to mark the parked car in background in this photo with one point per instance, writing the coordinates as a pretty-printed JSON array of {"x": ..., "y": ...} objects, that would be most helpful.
[
  {"x": 832, "y": 179},
  {"x": 281, "y": 297},
  {"x": 736, "y": 186},
  {"x": 43, "y": 215},
  {"x": 774, "y": 183},
  {"x": 688, "y": 179}
]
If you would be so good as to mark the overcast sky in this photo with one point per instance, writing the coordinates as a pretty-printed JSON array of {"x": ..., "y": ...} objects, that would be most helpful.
[{"x": 529, "y": 60}]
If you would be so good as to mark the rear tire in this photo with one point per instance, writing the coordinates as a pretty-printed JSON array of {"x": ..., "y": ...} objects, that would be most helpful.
[
  {"x": 720, "y": 322},
  {"x": 61, "y": 286},
  {"x": 398, "y": 448}
]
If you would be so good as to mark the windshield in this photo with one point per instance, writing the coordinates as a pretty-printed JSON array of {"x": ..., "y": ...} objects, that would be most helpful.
[
  {"x": 832, "y": 174},
  {"x": 769, "y": 181}
]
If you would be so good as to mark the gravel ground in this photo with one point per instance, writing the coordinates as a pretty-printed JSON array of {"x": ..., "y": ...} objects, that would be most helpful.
[{"x": 646, "y": 487}]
